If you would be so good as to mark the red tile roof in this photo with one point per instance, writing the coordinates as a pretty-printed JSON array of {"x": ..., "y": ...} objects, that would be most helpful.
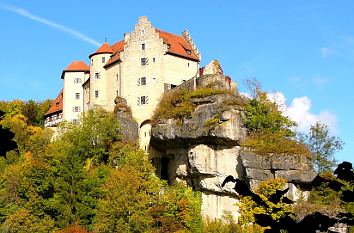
[
  {"x": 56, "y": 105},
  {"x": 76, "y": 66},
  {"x": 116, "y": 48},
  {"x": 105, "y": 48},
  {"x": 177, "y": 45}
]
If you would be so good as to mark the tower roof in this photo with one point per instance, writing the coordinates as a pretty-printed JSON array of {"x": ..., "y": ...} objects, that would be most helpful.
[
  {"x": 105, "y": 48},
  {"x": 76, "y": 66},
  {"x": 56, "y": 105},
  {"x": 116, "y": 48}
]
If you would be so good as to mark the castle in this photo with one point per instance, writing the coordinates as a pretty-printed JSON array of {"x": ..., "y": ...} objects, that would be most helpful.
[{"x": 139, "y": 68}]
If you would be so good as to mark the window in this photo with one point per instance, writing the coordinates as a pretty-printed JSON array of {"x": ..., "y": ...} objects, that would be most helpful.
[
  {"x": 142, "y": 32},
  {"x": 168, "y": 46},
  {"x": 76, "y": 109},
  {"x": 142, "y": 46},
  {"x": 142, "y": 81},
  {"x": 97, "y": 76},
  {"x": 57, "y": 104},
  {"x": 189, "y": 52},
  {"x": 92, "y": 61},
  {"x": 77, "y": 80},
  {"x": 96, "y": 94},
  {"x": 103, "y": 59},
  {"x": 153, "y": 59},
  {"x": 188, "y": 64},
  {"x": 154, "y": 79},
  {"x": 142, "y": 100},
  {"x": 75, "y": 121},
  {"x": 143, "y": 61},
  {"x": 77, "y": 96}
]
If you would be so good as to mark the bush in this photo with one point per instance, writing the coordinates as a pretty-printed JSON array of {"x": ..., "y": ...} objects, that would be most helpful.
[
  {"x": 264, "y": 142},
  {"x": 177, "y": 103}
]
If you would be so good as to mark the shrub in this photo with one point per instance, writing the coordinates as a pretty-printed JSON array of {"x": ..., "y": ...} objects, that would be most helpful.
[
  {"x": 275, "y": 143},
  {"x": 177, "y": 103}
]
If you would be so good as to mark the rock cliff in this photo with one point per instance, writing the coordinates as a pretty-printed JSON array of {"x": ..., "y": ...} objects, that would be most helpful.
[{"x": 202, "y": 154}]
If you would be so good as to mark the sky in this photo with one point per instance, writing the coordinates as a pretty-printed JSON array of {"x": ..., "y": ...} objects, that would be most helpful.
[{"x": 302, "y": 52}]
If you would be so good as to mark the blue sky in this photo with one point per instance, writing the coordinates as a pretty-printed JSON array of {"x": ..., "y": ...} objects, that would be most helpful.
[{"x": 301, "y": 50}]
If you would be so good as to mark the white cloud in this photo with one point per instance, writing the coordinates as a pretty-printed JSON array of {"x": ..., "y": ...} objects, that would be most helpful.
[
  {"x": 326, "y": 52},
  {"x": 300, "y": 111},
  {"x": 29, "y": 15},
  {"x": 320, "y": 81}
]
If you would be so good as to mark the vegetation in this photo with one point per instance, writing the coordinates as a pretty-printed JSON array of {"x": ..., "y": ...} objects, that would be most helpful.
[
  {"x": 270, "y": 132},
  {"x": 87, "y": 180},
  {"x": 248, "y": 207},
  {"x": 177, "y": 103},
  {"x": 323, "y": 146}
]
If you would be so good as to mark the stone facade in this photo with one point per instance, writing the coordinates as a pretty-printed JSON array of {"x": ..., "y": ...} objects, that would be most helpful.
[
  {"x": 73, "y": 104},
  {"x": 137, "y": 68}
]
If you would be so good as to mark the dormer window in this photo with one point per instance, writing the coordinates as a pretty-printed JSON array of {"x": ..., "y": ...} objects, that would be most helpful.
[
  {"x": 57, "y": 104},
  {"x": 189, "y": 52},
  {"x": 168, "y": 46}
]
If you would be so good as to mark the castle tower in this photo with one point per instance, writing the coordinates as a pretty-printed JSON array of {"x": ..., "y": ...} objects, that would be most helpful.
[
  {"x": 98, "y": 78},
  {"x": 74, "y": 76}
]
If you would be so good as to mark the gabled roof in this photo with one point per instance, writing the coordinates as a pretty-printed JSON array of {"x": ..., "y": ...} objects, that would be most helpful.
[
  {"x": 177, "y": 45},
  {"x": 76, "y": 66},
  {"x": 56, "y": 105},
  {"x": 116, "y": 48},
  {"x": 105, "y": 48}
]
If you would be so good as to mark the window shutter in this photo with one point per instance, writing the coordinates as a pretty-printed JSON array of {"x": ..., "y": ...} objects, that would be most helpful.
[
  {"x": 138, "y": 81},
  {"x": 146, "y": 99},
  {"x": 138, "y": 101}
]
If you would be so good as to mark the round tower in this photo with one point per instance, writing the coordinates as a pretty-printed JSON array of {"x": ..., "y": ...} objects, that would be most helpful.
[{"x": 98, "y": 78}]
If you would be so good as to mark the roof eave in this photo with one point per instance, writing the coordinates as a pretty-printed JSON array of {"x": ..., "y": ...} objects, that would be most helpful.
[
  {"x": 64, "y": 71},
  {"x": 111, "y": 64},
  {"x": 96, "y": 53},
  {"x": 186, "y": 57}
]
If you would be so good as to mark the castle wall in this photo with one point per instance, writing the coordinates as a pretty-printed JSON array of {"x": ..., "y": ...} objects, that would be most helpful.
[
  {"x": 113, "y": 77},
  {"x": 142, "y": 83},
  {"x": 98, "y": 80},
  {"x": 73, "y": 106},
  {"x": 176, "y": 70}
]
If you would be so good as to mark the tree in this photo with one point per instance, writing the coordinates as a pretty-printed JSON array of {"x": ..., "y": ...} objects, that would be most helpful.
[
  {"x": 323, "y": 146},
  {"x": 270, "y": 132}
]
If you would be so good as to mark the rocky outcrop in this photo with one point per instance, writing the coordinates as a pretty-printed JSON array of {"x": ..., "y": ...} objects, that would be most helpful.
[
  {"x": 202, "y": 150},
  {"x": 171, "y": 133},
  {"x": 128, "y": 125}
]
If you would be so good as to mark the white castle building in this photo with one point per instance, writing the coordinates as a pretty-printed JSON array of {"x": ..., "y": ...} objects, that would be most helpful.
[{"x": 138, "y": 68}]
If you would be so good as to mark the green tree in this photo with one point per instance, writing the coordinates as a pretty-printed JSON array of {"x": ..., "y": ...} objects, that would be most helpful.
[
  {"x": 270, "y": 132},
  {"x": 94, "y": 135},
  {"x": 323, "y": 146}
]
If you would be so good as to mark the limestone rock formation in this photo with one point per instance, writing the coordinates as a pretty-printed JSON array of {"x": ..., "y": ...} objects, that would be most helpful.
[
  {"x": 124, "y": 114},
  {"x": 202, "y": 155}
]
